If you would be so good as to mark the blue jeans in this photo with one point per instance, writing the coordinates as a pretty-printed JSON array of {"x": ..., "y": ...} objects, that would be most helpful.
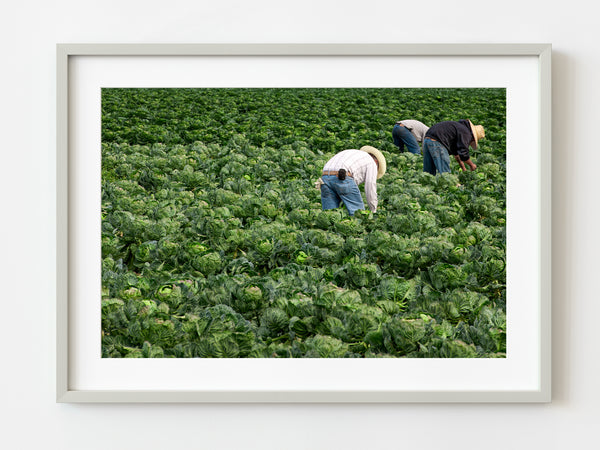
[
  {"x": 333, "y": 191},
  {"x": 435, "y": 157},
  {"x": 402, "y": 136}
]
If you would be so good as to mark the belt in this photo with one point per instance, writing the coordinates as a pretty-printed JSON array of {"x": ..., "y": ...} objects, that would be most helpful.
[
  {"x": 335, "y": 172},
  {"x": 431, "y": 139}
]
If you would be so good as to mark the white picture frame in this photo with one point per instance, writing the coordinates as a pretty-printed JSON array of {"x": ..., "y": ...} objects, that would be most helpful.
[{"x": 538, "y": 387}]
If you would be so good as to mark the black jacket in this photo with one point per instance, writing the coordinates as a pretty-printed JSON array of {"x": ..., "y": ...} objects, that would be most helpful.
[{"x": 455, "y": 136}]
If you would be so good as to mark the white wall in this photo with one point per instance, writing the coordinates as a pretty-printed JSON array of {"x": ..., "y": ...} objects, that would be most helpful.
[{"x": 31, "y": 419}]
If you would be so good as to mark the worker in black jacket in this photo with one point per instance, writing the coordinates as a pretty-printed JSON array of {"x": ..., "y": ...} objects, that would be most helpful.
[{"x": 450, "y": 138}]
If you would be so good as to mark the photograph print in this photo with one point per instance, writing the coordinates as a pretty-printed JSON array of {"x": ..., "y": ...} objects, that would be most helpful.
[{"x": 303, "y": 223}]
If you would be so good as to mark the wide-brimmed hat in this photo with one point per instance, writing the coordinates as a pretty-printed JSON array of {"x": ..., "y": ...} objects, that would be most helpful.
[
  {"x": 478, "y": 133},
  {"x": 380, "y": 158}
]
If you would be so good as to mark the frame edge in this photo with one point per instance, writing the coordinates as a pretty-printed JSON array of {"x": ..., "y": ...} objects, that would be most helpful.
[
  {"x": 62, "y": 221},
  {"x": 545, "y": 126},
  {"x": 65, "y": 395}
]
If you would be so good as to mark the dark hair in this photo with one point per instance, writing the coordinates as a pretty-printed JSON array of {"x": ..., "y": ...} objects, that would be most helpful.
[{"x": 342, "y": 174}]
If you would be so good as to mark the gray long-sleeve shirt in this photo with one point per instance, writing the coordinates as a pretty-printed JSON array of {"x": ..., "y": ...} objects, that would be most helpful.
[{"x": 418, "y": 129}]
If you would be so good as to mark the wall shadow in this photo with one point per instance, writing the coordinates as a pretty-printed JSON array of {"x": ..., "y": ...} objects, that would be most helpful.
[{"x": 564, "y": 71}]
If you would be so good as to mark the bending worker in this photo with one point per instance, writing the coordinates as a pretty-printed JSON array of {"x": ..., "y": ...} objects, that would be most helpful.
[
  {"x": 450, "y": 138},
  {"x": 344, "y": 172},
  {"x": 409, "y": 133}
]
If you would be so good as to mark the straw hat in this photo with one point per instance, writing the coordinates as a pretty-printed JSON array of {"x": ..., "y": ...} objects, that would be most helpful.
[
  {"x": 380, "y": 158},
  {"x": 478, "y": 133}
]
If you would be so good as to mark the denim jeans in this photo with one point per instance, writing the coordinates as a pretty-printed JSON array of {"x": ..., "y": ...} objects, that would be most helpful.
[
  {"x": 333, "y": 191},
  {"x": 435, "y": 157},
  {"x": 402, "y": 136}
]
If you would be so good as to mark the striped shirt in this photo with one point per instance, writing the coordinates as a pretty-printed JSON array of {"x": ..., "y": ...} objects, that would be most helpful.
[
  {"x": 418, "y": 129},
  {"x": 363, "y": 169}
]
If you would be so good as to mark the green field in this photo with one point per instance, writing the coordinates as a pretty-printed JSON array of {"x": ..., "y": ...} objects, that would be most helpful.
[{"x": 214, "y": 243}]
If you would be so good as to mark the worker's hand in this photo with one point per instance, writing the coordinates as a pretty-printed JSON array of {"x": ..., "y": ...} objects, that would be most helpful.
[{"x": 472, "y": 165}]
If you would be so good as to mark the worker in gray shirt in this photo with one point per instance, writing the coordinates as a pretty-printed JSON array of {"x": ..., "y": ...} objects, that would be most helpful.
[{"x": 409, "y": 133}]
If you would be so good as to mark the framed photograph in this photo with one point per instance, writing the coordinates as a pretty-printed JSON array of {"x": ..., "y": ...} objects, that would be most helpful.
[{"x": 303, "y": 223}]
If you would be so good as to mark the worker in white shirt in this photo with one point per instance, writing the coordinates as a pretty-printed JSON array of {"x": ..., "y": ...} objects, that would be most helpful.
[{"x": 345, "y": 171}]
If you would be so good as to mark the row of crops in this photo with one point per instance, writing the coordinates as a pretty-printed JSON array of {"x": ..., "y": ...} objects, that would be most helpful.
[{"x": 214, "y": 243}]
